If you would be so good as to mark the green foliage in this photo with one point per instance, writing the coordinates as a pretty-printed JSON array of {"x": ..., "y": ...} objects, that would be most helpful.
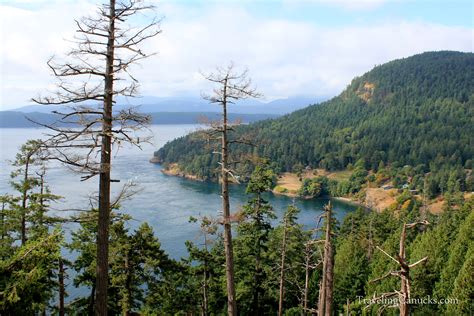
[
  {"x": 136, "y": 263},
  {"x": 463, "y": 289},
  {"x": 296, "y": 237},
  {"x": 251, "y": 245},
  {"x": 311, "y": 188},
  {"x": 458, "y": 255},
  {"x": 27, "y": 276},
  {"x": 419, "y": 113},
  {"x": 350, "y": 271},
  {"x": 206, "y": 263},
  {"x": 29, "y": 247}
]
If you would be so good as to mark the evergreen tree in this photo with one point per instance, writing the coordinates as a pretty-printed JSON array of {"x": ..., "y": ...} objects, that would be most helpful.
[
  {"x": 458, "y": 255},
  {"x": 137, "y": 263},
  {"x": 286, "y": 252},
  {"x": 27, "y": 276},
  {"x": 205, "y": 266},
  {"x": 351, "y": 269},
  {"x": 251, "y": 246}
]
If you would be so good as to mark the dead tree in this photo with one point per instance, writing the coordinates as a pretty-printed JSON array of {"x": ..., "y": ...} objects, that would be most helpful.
[
  {"x": 230, "y": 86},
  {"x": 282, "y": 267},
  {"x": 404, "y": 272},
  {"x": 90, "y": 77},
  {"x": 327, "y": 283},
  {"x": 289, "y": 223},
  {"x": 308, "y": 264}
]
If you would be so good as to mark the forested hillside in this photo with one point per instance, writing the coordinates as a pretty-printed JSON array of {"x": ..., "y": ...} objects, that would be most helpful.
[
  {"x": 144, "y": 280},
  {"x": 417, "y": 111}
]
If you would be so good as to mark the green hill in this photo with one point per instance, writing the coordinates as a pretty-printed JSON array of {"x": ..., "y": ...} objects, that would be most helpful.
[{"x": 416, "y": 111}]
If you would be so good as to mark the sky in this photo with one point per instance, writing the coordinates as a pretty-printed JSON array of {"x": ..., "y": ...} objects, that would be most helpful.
[{"x": 291, "y": 48}]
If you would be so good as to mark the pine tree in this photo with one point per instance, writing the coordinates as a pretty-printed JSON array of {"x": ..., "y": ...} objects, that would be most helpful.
[
  {"x": 27, "y": 276},
  {"x": 251, "y": 246}
]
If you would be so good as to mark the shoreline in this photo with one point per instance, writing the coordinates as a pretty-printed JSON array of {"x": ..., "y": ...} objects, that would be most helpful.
[
  {"x": 349, "y": 201},
  {"x": 178, "y": 173},
  {"x": 174, "y": 171}
]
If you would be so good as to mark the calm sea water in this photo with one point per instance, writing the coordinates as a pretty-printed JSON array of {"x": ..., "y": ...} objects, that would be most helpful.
[{"x": 165, "y": 202}]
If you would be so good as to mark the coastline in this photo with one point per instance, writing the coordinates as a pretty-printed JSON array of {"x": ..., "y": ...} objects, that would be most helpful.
[
  {"x": 175, "y": 171},
  {"x": 349, "y": 201}
]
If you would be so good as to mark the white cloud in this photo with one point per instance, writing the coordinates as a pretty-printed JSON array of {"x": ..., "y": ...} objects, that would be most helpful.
[{"x": 284, "y": 57}]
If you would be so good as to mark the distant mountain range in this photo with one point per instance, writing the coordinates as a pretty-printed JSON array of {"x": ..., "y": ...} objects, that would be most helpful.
[
  {"x": 149, "y": 104},
  {"x": 15, "y": 119}
]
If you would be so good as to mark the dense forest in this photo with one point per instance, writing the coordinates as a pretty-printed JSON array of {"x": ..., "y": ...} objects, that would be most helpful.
[
  {"x": 417, "y": 112},
  {"x": 408, "y": 123},
  {"x": 145, "y": 280}
]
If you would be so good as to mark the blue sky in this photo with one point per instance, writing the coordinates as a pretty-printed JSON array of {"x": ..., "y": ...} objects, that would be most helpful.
[
  {"x": 454, "y": 12},
  {"x": 336, "y": 13},
  {"x": 291, "y": 47}
]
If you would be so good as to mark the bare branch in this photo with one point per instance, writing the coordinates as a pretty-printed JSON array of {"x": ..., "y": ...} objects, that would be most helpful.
[
  {"x": 385, "y": 253},
  {"x": 418, "y": 262}
]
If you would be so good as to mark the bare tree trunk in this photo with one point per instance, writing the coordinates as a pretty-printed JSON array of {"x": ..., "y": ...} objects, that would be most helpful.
[
  {"x": 232, "y": 87},
  {"x": 24, "y": 198},
  {"x": 104, "y": 177},
  {"x": 282, "y": 269},
  {"x": 404, "y": 272},
  {"x": 322, "y": 293},
  {"x": 204, "y": 293},
  {"x": 61, "y": 287},
  {"x": 404, "y": 275},
  {"x": 306, "y": 282},
  {"x": 229, "y": 256},
  {"x": 99, "y": 39},
  {"x": 205, "y": 300},
  {"x": 41, "y": 201},
  {"x": 326, "y": 288},
  {"x": 329, "y": 257},
  {"x": 4, "y": 231},
  {"x": 258, "y": 269},
  {"x": 329, "y": 281}
]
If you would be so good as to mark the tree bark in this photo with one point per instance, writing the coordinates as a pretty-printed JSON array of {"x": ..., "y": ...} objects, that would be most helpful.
[
  {"x": 205, "y": 299},
  {"x": 4, "y": 231},
  {"x": 229, "y": 256},
  {"x": 306, "y": 281},
  {"x": 204, "y": 293},
  {"x": 405, "y": 273},
  {"x": 258, "y": 269},
  {"x": 282, "y": 270},
  {"x": 24, "y": 198},
  {"x": 329, "y": 256},
  {"x": 322, "y": 293},
  {"x": 104, "y": 177},
  {"x": 326, "y": 288}
]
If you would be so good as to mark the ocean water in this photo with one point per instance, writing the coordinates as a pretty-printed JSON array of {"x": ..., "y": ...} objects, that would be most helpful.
[{"x": 165, "y": 202}]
